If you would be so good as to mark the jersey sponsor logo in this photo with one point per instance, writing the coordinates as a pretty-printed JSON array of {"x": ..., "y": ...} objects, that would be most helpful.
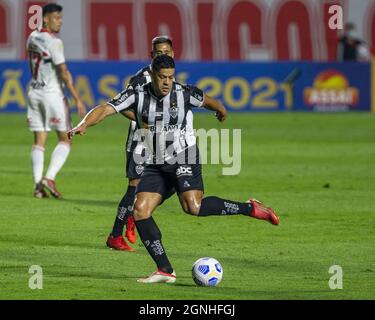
[
  {"x": 184, "y": 171},
  {"x": 167, "y": 128},
  {"x": 186, "y": 184}
]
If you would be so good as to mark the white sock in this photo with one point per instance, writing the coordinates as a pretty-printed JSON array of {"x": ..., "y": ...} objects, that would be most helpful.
[
  {"x": 37, "y": 161},
  {"x": 58, "y": 158}
]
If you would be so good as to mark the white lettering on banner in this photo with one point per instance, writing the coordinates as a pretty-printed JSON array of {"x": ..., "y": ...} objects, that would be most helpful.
[{"x": 212, "y": 30}]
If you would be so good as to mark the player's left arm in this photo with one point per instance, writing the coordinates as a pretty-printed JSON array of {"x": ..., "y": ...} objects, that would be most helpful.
[
  {"x": 215, "y": 105},
  {"x": 67, "y": 78}
]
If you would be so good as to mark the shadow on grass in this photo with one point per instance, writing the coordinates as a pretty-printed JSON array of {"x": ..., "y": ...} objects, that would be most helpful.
[
  {"x": 85, "y": 202},
  {"x": 90, "y": 202}
]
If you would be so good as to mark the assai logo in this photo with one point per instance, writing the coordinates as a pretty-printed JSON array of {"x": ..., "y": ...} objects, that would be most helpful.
[{"x": 331, "y": 91}]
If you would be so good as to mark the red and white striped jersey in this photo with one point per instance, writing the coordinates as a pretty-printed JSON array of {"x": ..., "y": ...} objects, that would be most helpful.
[{"x": 45, "y": 52}]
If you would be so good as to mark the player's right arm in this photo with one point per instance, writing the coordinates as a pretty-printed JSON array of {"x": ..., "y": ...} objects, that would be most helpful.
[
  {"x": 94, "y": 116},
  {"x": 123, "y": 103}
]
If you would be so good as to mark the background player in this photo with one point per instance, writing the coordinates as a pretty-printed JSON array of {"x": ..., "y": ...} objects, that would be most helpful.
[
  {"x": 164, "y": 96},
  {"x": 47, "y": 105},
  {"x": 160, "y": 45}
]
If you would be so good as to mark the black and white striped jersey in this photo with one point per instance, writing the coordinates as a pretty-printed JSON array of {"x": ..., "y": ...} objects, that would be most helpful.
[
  {"x": 139, "y": 79},
  {"x": 169, "y": 120}
]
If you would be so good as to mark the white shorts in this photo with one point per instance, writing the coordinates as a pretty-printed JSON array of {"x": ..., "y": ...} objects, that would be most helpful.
[{"x": 48, "y": 111}]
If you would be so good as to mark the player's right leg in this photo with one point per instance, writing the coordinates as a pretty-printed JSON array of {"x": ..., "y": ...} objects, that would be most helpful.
[
  {"x": 151, "y": 236},
  {"x": 36, "y": 119},
  {"x": 37, "y": 160},
  {"x": 150, "y": 192}
]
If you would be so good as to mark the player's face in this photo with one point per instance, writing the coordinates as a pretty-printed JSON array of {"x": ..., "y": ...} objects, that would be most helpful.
[
  {"x": 162, "y": 48},
  {"x": 162, "y": 81},
  {"x": 54, "y": 21}
]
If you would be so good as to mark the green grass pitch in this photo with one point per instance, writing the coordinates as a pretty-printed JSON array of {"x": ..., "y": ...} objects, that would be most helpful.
[{"x": 316, "y": 170}]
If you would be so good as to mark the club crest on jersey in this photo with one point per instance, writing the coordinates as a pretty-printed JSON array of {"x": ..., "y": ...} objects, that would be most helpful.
[
  {"x": 173, "y": 111},
  {"x": 139, "y": 169}
]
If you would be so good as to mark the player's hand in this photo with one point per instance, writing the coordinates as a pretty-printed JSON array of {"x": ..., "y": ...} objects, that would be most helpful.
[
  {"x": 81, "y": 108},
  {"x": 81, "y": 130},
  {"x": 221, "y": 115}
]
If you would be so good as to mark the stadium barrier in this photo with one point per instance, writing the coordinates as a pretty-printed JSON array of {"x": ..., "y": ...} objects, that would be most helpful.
[{"x": 278, "y": 86}]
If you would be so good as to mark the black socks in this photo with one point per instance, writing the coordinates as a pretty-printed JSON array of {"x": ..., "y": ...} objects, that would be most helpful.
[
  {"x": 217, "y": 206},
  {"x": 151, "y": 238},
  {"x": 125, "y": 208}
]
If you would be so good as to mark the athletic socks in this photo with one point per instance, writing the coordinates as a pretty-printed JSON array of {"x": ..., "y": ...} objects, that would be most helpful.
[
  {"x": 217, "y": 206},
  {"x": 37, "y": 161},
  {"x": 125, "y": 208},
  {"x": 58, "y": 158},
  {"x": 151, "y": 238}
]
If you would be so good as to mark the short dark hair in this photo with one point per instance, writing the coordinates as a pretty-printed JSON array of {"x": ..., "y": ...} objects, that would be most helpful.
[
  {"x": 51, "y": 7},
  {"x": 162, "y": 61},
  {"x": 161, "y": 39}
]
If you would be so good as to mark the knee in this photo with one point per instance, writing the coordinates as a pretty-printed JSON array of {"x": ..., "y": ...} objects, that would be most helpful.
[{"x": 140, "y": 211}]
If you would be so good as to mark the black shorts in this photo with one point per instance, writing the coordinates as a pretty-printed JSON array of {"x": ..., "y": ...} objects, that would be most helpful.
[
  {"x": 133, "y": 170},
  {"x": 166, "y": 178}
]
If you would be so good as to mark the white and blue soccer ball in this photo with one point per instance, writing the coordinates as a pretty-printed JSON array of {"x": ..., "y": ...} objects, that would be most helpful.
[{"x": 207, "y": 272}]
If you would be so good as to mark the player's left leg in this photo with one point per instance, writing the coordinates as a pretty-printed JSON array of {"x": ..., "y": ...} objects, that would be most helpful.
[
  {"x": 58, "y": 117},
  {"x": 58, "y": 158},
  {"x": 193, "y": 203},
  {"x": 189, "y": 185}
]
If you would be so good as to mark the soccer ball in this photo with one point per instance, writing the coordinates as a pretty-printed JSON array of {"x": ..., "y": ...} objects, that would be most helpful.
[{"x": 207, "y": 272}]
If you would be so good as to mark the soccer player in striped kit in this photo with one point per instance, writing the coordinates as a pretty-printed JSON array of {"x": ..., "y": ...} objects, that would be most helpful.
[
  {"x": 47, "y": 106},
  {"x": 164, "y": 108},
  {"x": 160, "y": 45}
]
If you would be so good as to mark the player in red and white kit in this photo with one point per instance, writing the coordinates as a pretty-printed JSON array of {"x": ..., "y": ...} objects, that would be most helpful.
[{"x": 47, "y": 106}]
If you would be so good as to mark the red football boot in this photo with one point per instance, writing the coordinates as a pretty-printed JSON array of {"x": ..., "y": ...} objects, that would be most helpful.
[
  {"x": 259, "y": 211},
  {"x": 118, "y": 243},
  {"x": 51, "y": 187},
  {"x": 130, "y": 230}
]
